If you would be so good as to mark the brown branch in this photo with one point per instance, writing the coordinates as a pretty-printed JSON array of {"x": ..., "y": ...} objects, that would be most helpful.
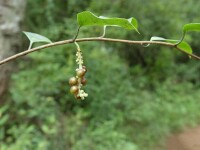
[{"x": 93, "y": 39}]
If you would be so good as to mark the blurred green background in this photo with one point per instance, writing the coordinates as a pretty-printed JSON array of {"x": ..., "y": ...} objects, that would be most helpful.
[{"x": 137, "y": 95}]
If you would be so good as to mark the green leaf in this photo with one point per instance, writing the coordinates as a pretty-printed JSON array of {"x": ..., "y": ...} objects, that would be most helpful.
[
  {"x": 191, "y": 27},
  {"x": 33, "y": 37},
  {"x": 184, "y": 46},
  {"x": 3, "y": 119},
  {"x": 87, "y": 18}
]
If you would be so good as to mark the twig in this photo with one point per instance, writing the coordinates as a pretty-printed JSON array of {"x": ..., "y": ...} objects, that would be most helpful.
[{"x": 94, "y": 39}]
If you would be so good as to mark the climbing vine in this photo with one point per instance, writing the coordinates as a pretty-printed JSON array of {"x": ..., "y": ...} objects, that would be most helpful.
[{"x": 87, "y": 18}]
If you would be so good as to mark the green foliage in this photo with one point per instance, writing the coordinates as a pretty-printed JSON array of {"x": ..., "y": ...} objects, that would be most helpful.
[
  {"x": 87, "y": 18},
  {"x": 183, "y": 45},
  {"x": 191, "y": 27},
  {"x": 133, "y": 103},
  {"x": 167, "y": 24},
  {"x": 120, "y": 112},
  {"x": 34, "y": 38}
]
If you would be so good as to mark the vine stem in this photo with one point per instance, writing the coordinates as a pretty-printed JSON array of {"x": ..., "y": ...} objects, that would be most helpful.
[
  {"x": 74, "y": 39},
  {"x": 13, "y": 57}
]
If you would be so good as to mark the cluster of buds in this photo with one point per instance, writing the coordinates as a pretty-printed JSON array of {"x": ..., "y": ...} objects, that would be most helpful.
[{"x": 79, "y": 80}]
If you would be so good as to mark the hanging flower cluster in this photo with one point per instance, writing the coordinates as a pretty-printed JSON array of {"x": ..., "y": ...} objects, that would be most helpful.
[{"x": 79, "y": 80}]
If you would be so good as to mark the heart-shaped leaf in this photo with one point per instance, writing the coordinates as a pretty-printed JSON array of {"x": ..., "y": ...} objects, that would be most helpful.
[
  {"x": 33, "y": 37},
  {"x": 184, "y": 46},
  {"x": 87, "y": 18}
]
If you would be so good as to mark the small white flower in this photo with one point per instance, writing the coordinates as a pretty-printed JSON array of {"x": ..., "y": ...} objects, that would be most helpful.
[
  {"x": 82, "y": 94},
  {"x": 79, "y": 58}
]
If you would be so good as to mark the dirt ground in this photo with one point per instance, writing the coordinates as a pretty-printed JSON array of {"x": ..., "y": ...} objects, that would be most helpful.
[{"x": 187, "y": 140}]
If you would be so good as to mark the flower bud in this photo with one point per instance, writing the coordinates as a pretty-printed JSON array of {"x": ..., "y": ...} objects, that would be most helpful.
[
  {"x": 80, "y": 72},
  {"x": 83, "y": 81},
  {"x": 74, "y": 89},
  {"x": 73, "y": 81}
]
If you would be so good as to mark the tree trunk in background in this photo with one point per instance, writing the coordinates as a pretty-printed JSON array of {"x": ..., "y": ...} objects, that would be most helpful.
[{"x": 11, "y": 15}]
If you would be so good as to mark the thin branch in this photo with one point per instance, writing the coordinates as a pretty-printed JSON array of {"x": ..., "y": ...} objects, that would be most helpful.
[{"x": 94, "y": 39}]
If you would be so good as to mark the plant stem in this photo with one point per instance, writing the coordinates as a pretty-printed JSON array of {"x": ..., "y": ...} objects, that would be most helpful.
[
  {"x": 104, "y": 31},
  {"x": 94, "y": 39},
  {"x": 183, "y": 35},
  {"x": 74, "y": 39},
  {"x": 30, "y": 45}
]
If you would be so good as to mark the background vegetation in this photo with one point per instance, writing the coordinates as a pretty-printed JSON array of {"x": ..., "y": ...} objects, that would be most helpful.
[{"x": 137, "y": 95}]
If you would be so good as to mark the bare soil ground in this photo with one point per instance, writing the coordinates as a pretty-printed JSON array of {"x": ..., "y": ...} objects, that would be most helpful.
[{"x": 187, "y": 140}]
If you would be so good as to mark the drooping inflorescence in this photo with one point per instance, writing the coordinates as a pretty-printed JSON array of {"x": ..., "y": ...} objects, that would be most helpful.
[{"x": 79, "y": 80}]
